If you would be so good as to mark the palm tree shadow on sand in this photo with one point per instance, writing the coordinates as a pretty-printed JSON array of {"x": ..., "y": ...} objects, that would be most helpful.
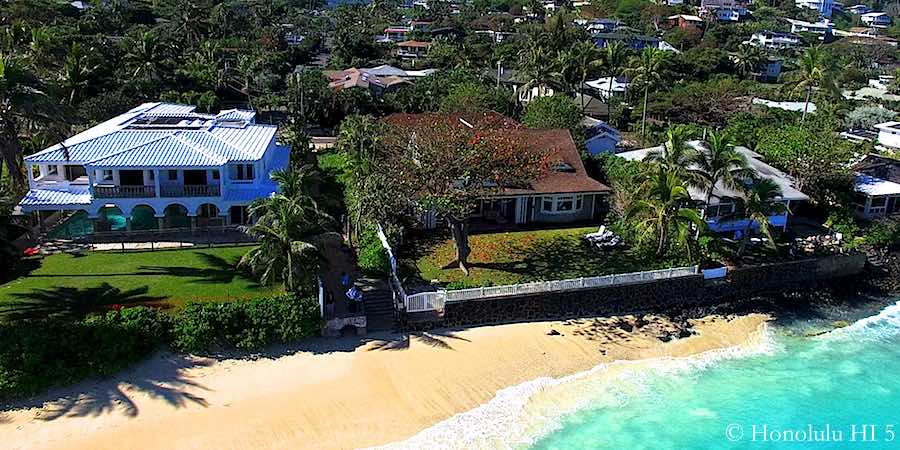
[{"x": 160, "y": 377}]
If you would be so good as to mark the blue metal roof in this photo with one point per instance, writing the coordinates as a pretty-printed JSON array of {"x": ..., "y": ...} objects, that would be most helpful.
[
  {"x": 153, "y": 135},
  {"x": 75, "y": 195},
  {"x": 168, "y": 151}
]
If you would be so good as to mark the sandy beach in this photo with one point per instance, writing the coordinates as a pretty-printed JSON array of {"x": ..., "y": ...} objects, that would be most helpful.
[{"x": 345, "y": 393}]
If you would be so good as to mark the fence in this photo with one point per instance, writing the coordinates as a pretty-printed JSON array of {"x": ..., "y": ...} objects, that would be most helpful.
[{"x": 435, "y": 301}]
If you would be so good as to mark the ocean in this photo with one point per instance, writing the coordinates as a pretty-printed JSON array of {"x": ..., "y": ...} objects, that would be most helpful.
[{"x": 839, "y": 389}]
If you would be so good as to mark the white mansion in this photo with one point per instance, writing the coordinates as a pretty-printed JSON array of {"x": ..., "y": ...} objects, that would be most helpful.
[{"x": 159, "y": 165}]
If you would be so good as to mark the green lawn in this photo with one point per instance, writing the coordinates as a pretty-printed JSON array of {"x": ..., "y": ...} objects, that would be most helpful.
[
  {"x": 524, "y": 256},
  {"x": 166, "y": 278}
]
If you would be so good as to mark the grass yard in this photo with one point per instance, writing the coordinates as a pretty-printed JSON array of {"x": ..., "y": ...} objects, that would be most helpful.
[
  {"x": 166, "y": 278},
  {"x": 523, "y": 256}
]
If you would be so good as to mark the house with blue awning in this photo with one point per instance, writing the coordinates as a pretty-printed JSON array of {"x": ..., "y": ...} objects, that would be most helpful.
[{"x": 159, "y": 165}]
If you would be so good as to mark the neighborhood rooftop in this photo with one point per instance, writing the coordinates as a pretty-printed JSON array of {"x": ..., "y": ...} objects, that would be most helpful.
[{"x": 162, "y": 134}]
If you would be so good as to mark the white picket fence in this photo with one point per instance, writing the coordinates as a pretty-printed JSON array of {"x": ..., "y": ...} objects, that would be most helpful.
[{"x": 435, "y": 301}]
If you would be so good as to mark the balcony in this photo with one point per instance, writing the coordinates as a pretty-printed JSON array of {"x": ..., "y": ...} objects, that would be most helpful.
[
  {"x": 191, "y": 191},
  {"x": 124, "y": 191}
]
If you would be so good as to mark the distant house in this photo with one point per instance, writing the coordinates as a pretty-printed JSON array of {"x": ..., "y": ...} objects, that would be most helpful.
[
  {"x": 724, "y": 10},
  {"x": 721, "y": 212},
  {"x": 601, "y": 137},
  {"x": 592, "y": 106},
  {"x": 774, "y": 40},
  {"x": 379, "y": 80},
  {"x": 608, "y": 86},
  {"x": 889, "y": 134},
  {"x": 802, "y": 26},
  {"x": 824, "y": 7},
  {"x": 412, "y": 50},
  {"x": 684, "y": 21},
  {"x": 563, "y": 193},
  {"x": 633, "y": 41},
  {"x": 516, "y": 81},
  {"x": 876, "y": 19},
  {"x": 859, "y": 9},
  {"x": 770, "y": 70},
  {"x": 601, "y": 25},
  {"x": 397, "y": 33},
  {"x": 159, "y": 165},
  {"x": 786, "y": 106},
  {"x": 877, "y": 187},
  {"x": 498, "y": 37}
]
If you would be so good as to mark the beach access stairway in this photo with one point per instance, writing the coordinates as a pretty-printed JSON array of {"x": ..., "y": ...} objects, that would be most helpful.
[{"x": 379, "y": 305}]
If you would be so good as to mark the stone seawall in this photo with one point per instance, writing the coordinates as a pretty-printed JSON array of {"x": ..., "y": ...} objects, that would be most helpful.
[{"x": 660, "y": 295}]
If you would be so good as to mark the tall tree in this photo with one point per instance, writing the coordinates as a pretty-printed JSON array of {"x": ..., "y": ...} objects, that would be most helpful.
[
  {"x": 579, "y": 62},
  {"x": 758, "y": 203},
  {"x": 814, "y": 72},
  {"x": 541, "y": 66},
  {"x": 145, "y": 53},
  {"x": 645, "y": 71},
  {"x": 747, "y": 59},
  {"x": 665, "y": 211},
  {"x": 615, "y": 57},
  {"x": 291, "y": 231},
  {"x": 676, "y": 153},
  {"x": 720, "y": 163},
  {"x": 77, "y": 71},
  {"x": 21, "y": 100}
]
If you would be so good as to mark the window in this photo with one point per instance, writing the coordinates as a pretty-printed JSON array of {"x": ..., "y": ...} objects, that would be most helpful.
[
  {"x": 243, "y": 172},
  {"x": 53, "y": 170},
  {"x": 562, "y": 204},
  {"x": 173, "y": 175},
  {"x": 106, "y": 175},
  {"x": 878, "y": 202}
]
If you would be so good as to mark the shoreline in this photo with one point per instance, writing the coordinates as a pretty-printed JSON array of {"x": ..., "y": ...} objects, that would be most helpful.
[{"x": 350, "y": 393}]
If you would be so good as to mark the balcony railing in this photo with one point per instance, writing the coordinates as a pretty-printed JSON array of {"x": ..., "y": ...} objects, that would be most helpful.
[
  {"x": 124, "y": 191},
  {"x": 191, "y": 191}
]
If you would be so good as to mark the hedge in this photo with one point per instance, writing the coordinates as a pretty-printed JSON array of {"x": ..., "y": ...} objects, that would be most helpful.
[{"x": 38, "y": 354}]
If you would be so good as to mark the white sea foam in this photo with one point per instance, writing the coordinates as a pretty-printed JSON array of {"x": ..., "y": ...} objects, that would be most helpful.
[
  {"x": 885, "y": 324},
  {"x": 519, "y": 415}
]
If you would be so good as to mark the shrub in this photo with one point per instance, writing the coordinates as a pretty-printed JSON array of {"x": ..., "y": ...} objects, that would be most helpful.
[
  {"x": 373, "y": 258},
  {"x": 250, "y": 325},
  {"x": 36, "y": 354},
  {"x": 866, "y": 117},
  {"x": 884, "y": 233}
]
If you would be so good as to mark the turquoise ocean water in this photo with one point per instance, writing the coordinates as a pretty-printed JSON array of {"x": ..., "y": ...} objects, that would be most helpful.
[{"x": 836, "y": 390}]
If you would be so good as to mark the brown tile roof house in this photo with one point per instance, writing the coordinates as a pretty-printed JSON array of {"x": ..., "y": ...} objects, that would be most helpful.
[
  {"x": 356, "y": 78},
  {"x": 564, "y": 192}
]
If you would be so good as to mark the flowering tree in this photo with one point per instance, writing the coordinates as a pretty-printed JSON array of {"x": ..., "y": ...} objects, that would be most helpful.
[{"x": 445, "y": 164}]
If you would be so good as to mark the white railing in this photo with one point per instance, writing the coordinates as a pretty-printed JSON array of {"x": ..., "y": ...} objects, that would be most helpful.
[{"x": 435, "y": 301}]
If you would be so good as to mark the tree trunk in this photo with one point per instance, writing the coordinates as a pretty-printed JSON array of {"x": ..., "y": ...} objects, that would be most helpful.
[
  {"x": 744, "y": 239},
  {"x": 460, "y": 232},
  {"x": 644, "y": 115},
  {"x": 806, "y": 105},
  {"x": 290, "y": 269},
  {"x": 663, "y": 237}
]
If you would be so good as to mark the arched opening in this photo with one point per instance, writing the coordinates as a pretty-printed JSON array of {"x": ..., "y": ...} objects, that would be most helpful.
[
  {"x": 176, "y": 216},
  {"x": 143, "y": 217},
  {"x": 111, "y": 218},
  {"x": 76, "y": 225},
  {"x": 208, "y": 216}
]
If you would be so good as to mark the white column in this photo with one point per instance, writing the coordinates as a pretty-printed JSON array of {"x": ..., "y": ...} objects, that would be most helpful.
[
  {"x": 156, "y": 181},
  {"x": 91, "y": 174}
]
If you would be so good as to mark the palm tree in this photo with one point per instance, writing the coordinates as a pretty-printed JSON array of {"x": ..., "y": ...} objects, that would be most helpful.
[
  {"x": 21, "y": 100},
  {"x": 646, "y": 71},
  {"x": 579, "y": 62},
  {"x": 665, "y": 210},
  {"x": 540, "y": 66},
  {"x": 144, "y": 54},
  {"x": 719, "y": 163},
  {"x": 758, "y": 203},
  {"x": 747, "y": 59},
  {"x": 77, "y": 71},
  {"x": 615, "y": 56},
  {"x": 814, "y": 72},
  {"x": 676, "y": 154},
  {"x": 291, "y": 230},
  {"x": 359, "y": 139}
]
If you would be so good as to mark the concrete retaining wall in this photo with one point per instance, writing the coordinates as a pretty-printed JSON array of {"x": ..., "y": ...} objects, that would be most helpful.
[{"x": 658, "y": 295}]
